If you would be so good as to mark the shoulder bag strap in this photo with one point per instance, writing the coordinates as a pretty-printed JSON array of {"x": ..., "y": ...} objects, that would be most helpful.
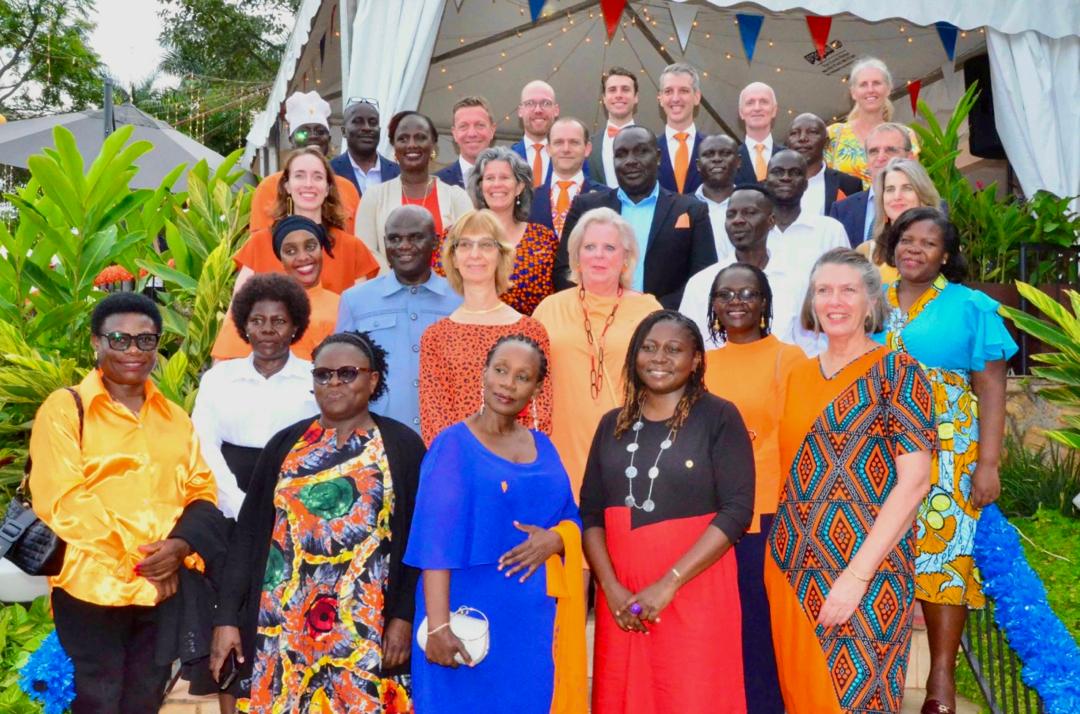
[{"x": 24, "y": 486}]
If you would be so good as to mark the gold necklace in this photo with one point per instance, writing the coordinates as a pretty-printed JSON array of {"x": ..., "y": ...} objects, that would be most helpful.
[{"x": 485, "y": 311}]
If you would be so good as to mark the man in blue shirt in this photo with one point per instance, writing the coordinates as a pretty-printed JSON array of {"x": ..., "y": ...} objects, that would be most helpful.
[{"x": 396, "y": 307}]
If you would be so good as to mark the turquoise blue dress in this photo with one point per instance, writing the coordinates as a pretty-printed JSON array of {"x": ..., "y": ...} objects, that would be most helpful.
[{"x": 464, "y": 519}]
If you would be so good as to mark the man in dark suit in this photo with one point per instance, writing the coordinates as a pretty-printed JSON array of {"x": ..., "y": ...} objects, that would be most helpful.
[
  {"x": 674, "y": 236},
  {"x": 473, "y": 129},
  {"x": 757, "y": 110},
  {"x": 808, "y": 135},
  {"x": 361, "y": 162},
  {"x": 619, "y": 94},
  {"x": 568, "y": 142},
  {"x": 679, "y": 97},
  {"x": 856, "y": 212},
  {"x": 537, "y": 110}
]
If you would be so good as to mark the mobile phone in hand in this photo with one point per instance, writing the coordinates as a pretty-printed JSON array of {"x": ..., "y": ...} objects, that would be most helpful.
[{"x": 229, "y": 672}]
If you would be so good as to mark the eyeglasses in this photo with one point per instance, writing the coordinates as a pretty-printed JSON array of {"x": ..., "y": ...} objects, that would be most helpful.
[
  {"x": 345, "y": 375},
  {"x": 538, "y": 104},
  {"x": 121, "y": 341},
  {"x": 744, "y": 295},
  {"x": 467, "y": 246},
  {"x": 362, "y": 100}
]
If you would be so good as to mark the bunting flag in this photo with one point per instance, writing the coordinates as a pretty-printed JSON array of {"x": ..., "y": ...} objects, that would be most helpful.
[
  {"x": 819, "y": 32},
  {"x": 612, "y": 10},
  {"x": 749, "y": 29},
  {"x": 682, "y": 15},
  {"x": 535, "y": 6},
  {"x": 458, "y": 3},
  {"x": 947, "y": 32},
  {"x": 913, "y": 88}
]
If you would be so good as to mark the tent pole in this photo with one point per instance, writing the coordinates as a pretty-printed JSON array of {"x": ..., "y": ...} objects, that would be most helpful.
[
  {"x": 345, "y": 30},
  {"x": 108, "y": 108}
]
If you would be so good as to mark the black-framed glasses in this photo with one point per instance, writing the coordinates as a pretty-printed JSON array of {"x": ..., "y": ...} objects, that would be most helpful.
[
  {"x": 745, "y": 295},
  {"x": 345, "y": 375},
  {"x": 362, "y": 100},
  {"x": 121, "y": 341}
]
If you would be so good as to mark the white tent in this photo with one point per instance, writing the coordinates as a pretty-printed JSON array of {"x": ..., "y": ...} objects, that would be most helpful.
[{"x": 428, "y": 53}]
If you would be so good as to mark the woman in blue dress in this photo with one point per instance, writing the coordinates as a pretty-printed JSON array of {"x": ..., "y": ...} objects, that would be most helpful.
[{"x": 496, "y": 529}]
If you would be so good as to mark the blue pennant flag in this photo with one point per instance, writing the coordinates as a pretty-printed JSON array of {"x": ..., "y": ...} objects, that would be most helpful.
[
  {"x": 749, "y": 29},
  {"x": 535, "y": 6},
  {"x": 947, "y": 32}
]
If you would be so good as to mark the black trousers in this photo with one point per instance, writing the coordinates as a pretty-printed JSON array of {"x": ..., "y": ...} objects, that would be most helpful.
[{"x": 113, "y": 652}]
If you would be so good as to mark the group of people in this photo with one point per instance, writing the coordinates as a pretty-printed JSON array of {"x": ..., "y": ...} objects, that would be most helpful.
[{"x": 431, "y": 391}]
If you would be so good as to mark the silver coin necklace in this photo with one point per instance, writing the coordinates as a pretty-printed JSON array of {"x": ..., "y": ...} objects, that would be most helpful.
[{"x": 648, "y": 505}]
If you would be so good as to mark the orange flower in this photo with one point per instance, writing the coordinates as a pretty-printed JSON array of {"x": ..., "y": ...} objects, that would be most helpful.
[{"x": 112, "y": 274}]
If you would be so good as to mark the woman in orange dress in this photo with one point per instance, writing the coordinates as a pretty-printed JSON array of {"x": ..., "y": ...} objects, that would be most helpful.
[
  {"x": 750, "y": 369},
  {"x": 856, "y": 438},
  {"x": 452, "y": 351},
  {"x": 307, "y": 189}
]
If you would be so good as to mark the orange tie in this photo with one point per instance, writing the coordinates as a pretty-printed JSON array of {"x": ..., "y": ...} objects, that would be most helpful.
[
  {"x": 538, "y": 165},
  {"x": 682, "y": 160},
  {"x": 612, "y": 131},
  {"x": 759, "y": 162}
]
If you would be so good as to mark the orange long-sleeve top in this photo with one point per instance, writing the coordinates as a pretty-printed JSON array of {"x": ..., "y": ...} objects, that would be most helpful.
[{"x": 126, "y": 485}]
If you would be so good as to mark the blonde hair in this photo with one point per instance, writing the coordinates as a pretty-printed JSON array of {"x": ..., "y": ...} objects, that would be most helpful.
[
  {"x": 871, "y": 280},
  {"x": 871, "y": 63},
  {"x": 484, "y": 222},
  {"x": 924, "y": 189},
  {"x": 606, "y": 217}
]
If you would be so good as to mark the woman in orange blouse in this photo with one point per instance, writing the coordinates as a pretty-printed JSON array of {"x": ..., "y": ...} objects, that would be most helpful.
[
  {"x": 502, "y": 182},
  {"x": 750, "y": 370},
  {"x": 307, "y": 188},
  {"x": 115, "y": 465},
  {"x": 452, "y": 351}
]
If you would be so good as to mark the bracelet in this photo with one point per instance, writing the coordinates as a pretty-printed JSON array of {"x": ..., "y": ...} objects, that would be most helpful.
[
  {"x": 432, "y": 632},
  {"x": 858, "y": 577},
  {"x": 678, "y": 576}
]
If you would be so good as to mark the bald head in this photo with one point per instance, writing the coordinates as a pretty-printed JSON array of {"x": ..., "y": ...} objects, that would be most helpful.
[
  {"x": 410, "y": 240},
  {"x": 538, "y": 109},
  {"x": 787, "y": 177},
  {"x": 808, "y": 135},
  {"x": 757, "y": 109}
]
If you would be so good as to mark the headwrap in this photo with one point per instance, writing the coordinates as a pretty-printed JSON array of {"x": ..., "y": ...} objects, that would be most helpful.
[{"x": 288, "y": 224}]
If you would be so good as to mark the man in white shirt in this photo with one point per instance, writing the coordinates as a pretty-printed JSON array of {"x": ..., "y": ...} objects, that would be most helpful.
[
  {"x": 568, "y": 143},
  {"x": 538, "y": 110},
  {"x": 757, "y": 110},
  {"x": 473, "y": 129},
  {"x": 825, "y": 186},
  {"x": 619, "y": 94},
  {"x": 799, "y": 237},
  {"x": 679, "y": 97},
  {"x": 748, "y": 223},
  {"x": 718, "y": 160}
]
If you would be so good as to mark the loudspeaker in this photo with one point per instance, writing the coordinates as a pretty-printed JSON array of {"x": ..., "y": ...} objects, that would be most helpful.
[{"x": 983, "y": 139}]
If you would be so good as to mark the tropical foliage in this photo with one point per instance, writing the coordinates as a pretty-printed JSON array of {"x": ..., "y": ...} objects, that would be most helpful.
[{"x": 21, "y": 631}]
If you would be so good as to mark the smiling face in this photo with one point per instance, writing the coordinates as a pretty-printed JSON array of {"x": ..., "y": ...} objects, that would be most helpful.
[
  {"x": 787, "y": 176},
  {"x": 269, "y": 329},
  {"x": 538, "y": 109},
  {"x": 757, "y": 108},
  {"x": 882, "y": 146},
  {"x": 602, "y": 258},
  {"x": 302, "y": 258},
  {"x": 499, "y": 187},
  {"x": 620, "y": 98},
  {"x": 312, "y": 135},
  {"x": 129, "y": 367},
  {"x": 898, "y": 194},
  {"x": 678, "y": 99},
  {"x": 920, "y": 252},
  {"x": 738, "y": 303},
  {"x": 869, "y": 90},
  {"x": 568, "y": 148},
  {"x": 748, "y": 220},
  {"x": 362, "y": 128},
  {"x": 410, "y": 240},
  {"x": 476, "y": 257},
  {"x": 511, "y": 378},
  {"x": 718, "y": 160},
  {"x": 840, "y": 300},
  {"x": 337, "y": 400},
  {"x": 307, "y": 183},
  {"x": 807, "y": 136},
  {"x": 636, "y": 159},
  {"x": 413, "y": 143},
  {"x": 667, "y": 357},
  {"x": 473, "y": 131}
]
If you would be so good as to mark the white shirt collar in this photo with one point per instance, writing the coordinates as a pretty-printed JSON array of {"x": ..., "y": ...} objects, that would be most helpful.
[
  {"x": 377, "y": 166},
  {"x": 578, "y": 179},
  {"x": 700, "y": 194},
  {"x": 767, "y": 142},
  {"x": 691, "y": 132},
  {"x": 294, "y": 368}
]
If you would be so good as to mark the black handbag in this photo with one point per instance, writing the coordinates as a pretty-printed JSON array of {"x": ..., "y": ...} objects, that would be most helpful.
[{"x": 25, "y": 540}]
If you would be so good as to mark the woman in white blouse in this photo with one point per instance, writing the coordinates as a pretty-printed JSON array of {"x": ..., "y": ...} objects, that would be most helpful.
[{"x": 243, "y": 402}]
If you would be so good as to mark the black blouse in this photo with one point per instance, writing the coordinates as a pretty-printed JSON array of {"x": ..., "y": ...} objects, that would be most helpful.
[{"x": 709, "y": 468}]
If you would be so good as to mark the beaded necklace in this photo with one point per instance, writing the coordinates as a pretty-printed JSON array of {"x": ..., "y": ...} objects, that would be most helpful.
[
  {"x": 648, "y": 505},
  {"x": 596, "y": 347}
]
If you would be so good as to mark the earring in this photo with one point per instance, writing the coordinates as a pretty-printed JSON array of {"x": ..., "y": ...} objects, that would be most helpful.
[
  {"x": 716, "y": 324},
  {"x": 763, "y": 322},
  {"x": 288, "y": 205},
  {"x": 434, "y": 153},
  {"x": 536, "y": 419},
  {"x": 517, "y": 200}
]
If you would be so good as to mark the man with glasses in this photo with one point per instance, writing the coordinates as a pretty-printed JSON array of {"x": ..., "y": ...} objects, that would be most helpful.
[
  {"x": 538, "y": 110},
  {"x": 473, "y": 129},
  {"x": 361, "y": 162},
  {"x": 396, "y": 307},
  {"x": 856, "y": 212}
]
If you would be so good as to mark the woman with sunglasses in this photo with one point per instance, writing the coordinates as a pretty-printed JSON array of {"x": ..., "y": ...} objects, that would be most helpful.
[
  {"x": 750, "y": 369},
  {"x": 316, "y": 604},
  {"x": 116, "y": 469}
]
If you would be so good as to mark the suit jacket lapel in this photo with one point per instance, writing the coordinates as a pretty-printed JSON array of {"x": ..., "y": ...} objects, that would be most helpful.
[
  {"x": 664, "y": 203},
  {"x": 831, "y": 182}
]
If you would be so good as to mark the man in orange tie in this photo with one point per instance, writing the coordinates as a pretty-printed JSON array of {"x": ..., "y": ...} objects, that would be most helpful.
[
  {"x": 568, "y": 142},
  {"x": 538, "y": 110},
  {"x": 757, "y": 110},
  {"x": 679, "y": 97},
  {"x": 619, "y": 94}
]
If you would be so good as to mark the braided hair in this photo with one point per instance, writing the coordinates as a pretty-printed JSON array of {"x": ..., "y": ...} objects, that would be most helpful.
[
  {"x": 717, "y": 331},
  {"x": 634, "y": 387},
  {"x": 524, "y": 340},
  {"x": 362, "y": 341}
]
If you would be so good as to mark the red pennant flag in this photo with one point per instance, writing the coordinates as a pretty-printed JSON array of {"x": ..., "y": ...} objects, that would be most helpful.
[
  {"x": 612, "y": 10},
  {"x": 819, "y": 32},
  {"x": 913, "y": 88}
]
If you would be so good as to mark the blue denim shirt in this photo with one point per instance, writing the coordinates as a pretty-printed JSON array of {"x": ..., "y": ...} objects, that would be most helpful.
[
  {"x": 639, "y": 216},
  {"x": 395, "y": 316}
]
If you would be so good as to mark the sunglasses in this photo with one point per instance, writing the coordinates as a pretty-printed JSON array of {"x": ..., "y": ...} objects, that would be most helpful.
[
  {"x": 745, "y": 295},
  {"x": 345, "y": 375},
  {"x": 362, "y": 100},
  {"x": 121, "y": 341}
]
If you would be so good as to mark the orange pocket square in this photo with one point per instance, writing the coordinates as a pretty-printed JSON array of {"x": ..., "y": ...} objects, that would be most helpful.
[{"x": 684, "y": 221}]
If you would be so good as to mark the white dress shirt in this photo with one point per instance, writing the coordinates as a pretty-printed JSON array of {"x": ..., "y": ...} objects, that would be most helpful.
[
  {"x": 530, "y": 156},
  {"x": 466, "y": 171},
  {"x": 574, "y": 189},
  {"x": 367, "y": 178},
  {"x": 236, "y": 404},
  {"x": 807, "y": 239},
  {"x": 813, "y": 201},
  {"x": 673, "y": 143},
  {"x": 718, "y": 219},
  {"x": 607, "y": 154},
  {"x": 767, "y": 142}
]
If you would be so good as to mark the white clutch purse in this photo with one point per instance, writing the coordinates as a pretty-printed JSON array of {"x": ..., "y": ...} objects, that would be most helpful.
[{"x": 470, "y": 626}]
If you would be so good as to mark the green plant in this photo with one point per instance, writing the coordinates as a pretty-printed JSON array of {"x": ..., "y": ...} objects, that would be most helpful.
[
  {"x": 1046, "y": 477},
  {"x": 21, "y": 631},
  {"x": 1061, "y": 368}
]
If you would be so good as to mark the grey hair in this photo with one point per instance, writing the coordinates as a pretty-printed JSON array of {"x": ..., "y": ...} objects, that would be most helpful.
[
  {"x": 893, "y": 127},
  {"x": 682, "y": 68},
  {"x": 871, "y": 280},
  {"x": 609, "y": 217},
  {"x": 871, "y": 63},
  {"x": 522, "y": 174}
]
